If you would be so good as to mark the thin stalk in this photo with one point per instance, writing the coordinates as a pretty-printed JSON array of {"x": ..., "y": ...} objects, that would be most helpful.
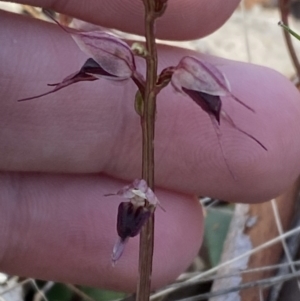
[
  {"x": 148, "y": 128},
  {"x": 284, "y": 11}
]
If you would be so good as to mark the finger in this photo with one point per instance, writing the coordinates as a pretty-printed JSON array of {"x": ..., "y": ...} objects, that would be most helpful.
[
  {"x": 183, "y": 20},
  {"x": 92, "y": 127},
  {"x": 62, "y": 228}
]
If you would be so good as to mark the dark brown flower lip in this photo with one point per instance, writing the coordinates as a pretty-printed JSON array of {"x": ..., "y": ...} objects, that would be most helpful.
[{"x": 131, "y": 219}]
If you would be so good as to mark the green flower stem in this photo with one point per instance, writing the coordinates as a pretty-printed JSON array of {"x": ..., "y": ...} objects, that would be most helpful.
[
  {"x": 286, "y": 28},
  {"x": 284, "y": 12}
]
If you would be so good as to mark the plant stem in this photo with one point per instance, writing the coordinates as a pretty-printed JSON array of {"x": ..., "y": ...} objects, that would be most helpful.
[
  {"x": 148, "y": 128},
  {"x": 284, "y": 11}
]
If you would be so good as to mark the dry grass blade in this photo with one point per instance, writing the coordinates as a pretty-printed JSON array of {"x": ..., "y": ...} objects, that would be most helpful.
[
  {"x": 238, "y": 273},
  {"x": 284, "y": 10},
  {"x": 200, "y": 276},
  {"x": 245, "y": 29},
  {"x": 41, "y": 293},
  {"x": 293, "y": 245},
  {"x": 212, "y": 271},
  {"x": 265, "y": 230},
  {"x": 280, "y": 230},
  {"x": 79, "y": 292},
  {"x": 32, "y": 11},
  {"x": 261, "y": 283}
]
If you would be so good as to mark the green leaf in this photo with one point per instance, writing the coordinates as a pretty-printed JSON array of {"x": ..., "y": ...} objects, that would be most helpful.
[
  {"x": 59, "y": 292},
  {"x": 102, "y": 295},
  {"x": 139, "y": 103},
  {"x": 216, "y": 227},
  {"x": 286, "y": 28}
]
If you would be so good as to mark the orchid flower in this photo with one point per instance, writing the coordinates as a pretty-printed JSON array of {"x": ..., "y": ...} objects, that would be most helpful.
[
  {"x": 133, "y": 214},
  {"x": 110, "y": 58},
  {"x": 205, "y": 84}
]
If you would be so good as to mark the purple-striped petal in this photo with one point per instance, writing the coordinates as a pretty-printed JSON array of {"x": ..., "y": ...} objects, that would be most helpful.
[
  {"x": 199, "y": 75},
  {"x": 111, "y": 53}
]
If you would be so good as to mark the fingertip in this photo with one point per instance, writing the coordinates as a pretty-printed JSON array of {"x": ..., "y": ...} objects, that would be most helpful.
[
  {"x": 61, "y": 228},
  {"x": 183, "y": 20}
]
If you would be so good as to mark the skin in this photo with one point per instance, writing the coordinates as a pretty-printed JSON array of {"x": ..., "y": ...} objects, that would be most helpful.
[{"x": 60, "y": 154}]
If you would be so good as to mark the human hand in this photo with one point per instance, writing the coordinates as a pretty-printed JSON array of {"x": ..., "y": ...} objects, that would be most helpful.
[{"x": 62, "y": 153}]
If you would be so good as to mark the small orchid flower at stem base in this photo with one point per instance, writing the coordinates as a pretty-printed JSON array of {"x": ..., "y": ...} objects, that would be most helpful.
[{"x": 132, "y": 215}]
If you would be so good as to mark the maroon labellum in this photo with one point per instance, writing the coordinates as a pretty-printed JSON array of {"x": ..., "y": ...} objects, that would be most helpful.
[
  {"x": 210, "y": 104},
  {"x": 92, "y": 67},
  {"x": 131, "y": 219}
]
